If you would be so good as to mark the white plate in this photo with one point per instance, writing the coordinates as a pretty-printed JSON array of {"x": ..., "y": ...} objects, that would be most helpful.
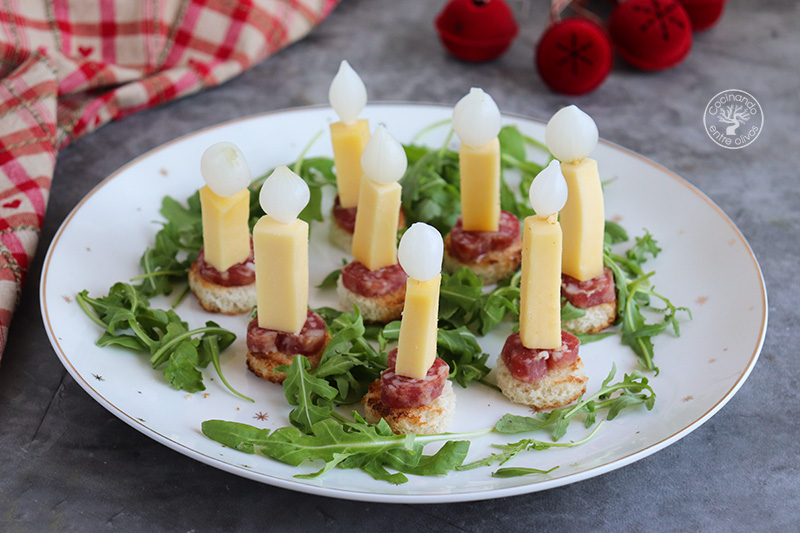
[{"x": 705, "y": 264}]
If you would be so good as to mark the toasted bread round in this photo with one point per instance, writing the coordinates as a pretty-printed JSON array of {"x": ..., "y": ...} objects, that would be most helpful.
[
  {"x": 216, "y": 298},
  {"x": 339, "y": 237},
  {"x": 490, "y": 268},
  {"x": 263, "y": 365},
  {"x": 596, "y": 319},
  {"x": 426, "y": 420},
  {"x": 558, "y": 388},
  {"x": 382, "y": 309}
]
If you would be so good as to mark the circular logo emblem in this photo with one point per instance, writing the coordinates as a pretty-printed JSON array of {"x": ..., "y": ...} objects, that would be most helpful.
[{"x": 733, "y": 119}]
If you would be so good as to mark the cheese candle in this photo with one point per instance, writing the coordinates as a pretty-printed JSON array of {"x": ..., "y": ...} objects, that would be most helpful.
[
  {"x": 571, "y": 135},
  {"x": 420, "y": 253},
  {"x": 280, "y": 242},
  {"x": 540, "y": 286},
  {"x": 375, "y": 235},
  {"x": 476, "y": 121},
  {"x": 225, "y": 205},
  {"x": 348, "y": 96}
]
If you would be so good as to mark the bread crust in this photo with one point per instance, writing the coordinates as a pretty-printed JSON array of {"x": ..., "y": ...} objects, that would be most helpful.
[
  {"x": 558, "y": 388},
  {"x": 384, "y": 309},
  {"x": 596, "y": 319},
  {"x": 216, "y": 298},
  {"x": 426, "y": 420},
  {"x": 263, "y": 365},
  {"x": 491, "y": 267}
]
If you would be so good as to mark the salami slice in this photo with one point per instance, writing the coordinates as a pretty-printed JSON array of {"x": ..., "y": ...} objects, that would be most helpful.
[
  {"x": 345, "y": 217},
  {"x": 243, "y": 273},
  {"x": 310, "y": 340},
  {"x": 373, "y": 283},
  {"x": 470, "y": 246},
  {"x": 400, "y": 391},
  {"x": 531, "y": 365},
  {"x": 595, "y": 291}
]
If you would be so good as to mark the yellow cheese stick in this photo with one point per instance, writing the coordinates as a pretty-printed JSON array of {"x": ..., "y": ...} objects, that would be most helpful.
[
  {"x": 416, "y": 346},
  {"x": 348, "y": 142},
  {"x": 375, "y": 233},
  {"x": 583, "y": 221},
  {"x": 480, "y": 186},
  {"x": 281, "y": 255},
  {"x": 540, "y": 286},
  {"x": 226, "y": 235}
]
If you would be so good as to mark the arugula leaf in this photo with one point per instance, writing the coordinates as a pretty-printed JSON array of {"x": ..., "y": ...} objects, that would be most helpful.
[
  {"x": 181, "y": 371},
  {"x": 509, "y": 451},
  {"x": 634, "y": 290},
  {"x": 633, "y": 390},
  {"x": 519, "y": 471},
  {"x": 463, "y": 302},
  {"x": 351, "y": 445},
  {"x": 460, "y": 350},
  {"x": 614, "y": 233},
  {"x": 350, "y": 363},
  {"x": 347, "y": 367},
  {"x": 312, "y": 396},
  {"x": 176, "y": 246},
  {"x": 431, "y": 187},
  {"x": 569, "y": 311},
  {"x": 513, "y": 156},
  {"x": 330, "y": 280},
  {"x": 129, "y": 322}
]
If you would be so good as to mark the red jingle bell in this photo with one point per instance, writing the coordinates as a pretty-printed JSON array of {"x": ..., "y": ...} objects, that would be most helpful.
[
  {"x": 703, "y": 13},
  {"x": 651, "y": 34},
  {"x": 476, "y": 30},
  {"x": 574, "y": 56}
]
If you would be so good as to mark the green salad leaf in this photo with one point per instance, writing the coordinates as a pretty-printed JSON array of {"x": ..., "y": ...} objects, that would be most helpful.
[
  {"x": 353, "y": 444},
  {"x": 176, "y": 246},
  {"x": 462, "y": 302},
  {"x": 313, "y": 396},
  {"x": 520, "y": 471},
  {"x": 350, "y": 362},
  {"x": 431, "y": 187},
  {"x": 510, "y": 451},
  {"x": 634, "y": 291},
  {"x": 634, "y": 389},
  {"x": 128, "y": 321}
]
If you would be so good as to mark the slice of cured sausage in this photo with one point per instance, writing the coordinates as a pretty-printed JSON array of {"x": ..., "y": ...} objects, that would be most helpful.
[
  {"x": 470, "y": 246},
  {"x": 310, "y": 340},
  {"x": 400, "y": 391},
  {"x": 531, "y": 365},
  {"x": 589, "y": 293}
]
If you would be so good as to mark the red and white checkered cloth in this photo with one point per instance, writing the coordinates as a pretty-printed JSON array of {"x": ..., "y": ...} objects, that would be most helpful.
[{"x": 69, "y": 66}]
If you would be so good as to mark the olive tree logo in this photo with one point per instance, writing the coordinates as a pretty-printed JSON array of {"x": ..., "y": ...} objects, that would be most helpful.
[{"x": 733, "y": 119}]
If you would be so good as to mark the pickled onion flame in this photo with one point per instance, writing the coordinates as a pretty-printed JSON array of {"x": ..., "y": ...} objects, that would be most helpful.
[
  {"x": 476, "y": 118},
  {"x": 548, "y": 192},
  {"x": 571, "y": 135},
  {"x": 284, "y": 195},
  {"x": 347, "y": 94},
  {"x": 421, "y": 251},
  {"x": 224, "y": 169},
  {"x": 384, "y": 159}
]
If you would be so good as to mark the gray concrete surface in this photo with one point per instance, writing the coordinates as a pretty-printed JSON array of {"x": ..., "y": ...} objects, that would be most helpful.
[{"x": 66, "y": 464}]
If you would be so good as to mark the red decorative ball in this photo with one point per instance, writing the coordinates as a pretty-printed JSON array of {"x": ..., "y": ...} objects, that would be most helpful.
[
  {"x": 475, "y": 30},
  {"x": 651, "y": 34},
  {"x": 703, "y": 13},
  {"x": 574, "y": 56}
]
